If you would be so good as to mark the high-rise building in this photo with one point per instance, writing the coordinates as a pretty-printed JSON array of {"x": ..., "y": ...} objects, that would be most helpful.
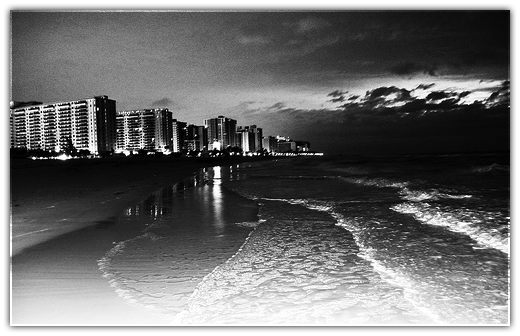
[
  {"x": 148, "y": 129},
  {"x": 195, "y": 138},
  {"x": 179, "y": 135},
  {"x": 270, "y": 144},
  {"x": 221, "y": 132},
  {"x": 87, "y": 124},
  {"x": 201, "y": 138},
  {"x": 250, "y": 138}
]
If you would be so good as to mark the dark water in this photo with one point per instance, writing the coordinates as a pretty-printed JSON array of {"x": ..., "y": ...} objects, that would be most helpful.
[{"x": 407, "y": 240}]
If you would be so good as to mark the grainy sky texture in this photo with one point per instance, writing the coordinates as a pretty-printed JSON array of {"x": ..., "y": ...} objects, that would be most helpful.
[{"x": 347, "y": 81}]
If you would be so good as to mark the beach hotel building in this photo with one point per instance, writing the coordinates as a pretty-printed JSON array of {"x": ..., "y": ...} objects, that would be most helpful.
[
  {"x": 195, "y": 138},
  {"x": 270, "y": 144},
  {"x": 89, "y": 124},
  {"x": 222, "y": 132},
  {"x": 249, "y": 138},
  {"x": 148, "y": 129},
  {"x": 179, "y": 135}
]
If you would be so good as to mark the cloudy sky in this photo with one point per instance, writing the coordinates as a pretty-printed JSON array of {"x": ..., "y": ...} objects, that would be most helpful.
[{"x": 349, "y": 82}]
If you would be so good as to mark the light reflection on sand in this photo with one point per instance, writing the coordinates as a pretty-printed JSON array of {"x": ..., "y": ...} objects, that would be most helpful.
[{"x": 188, "y": 230}]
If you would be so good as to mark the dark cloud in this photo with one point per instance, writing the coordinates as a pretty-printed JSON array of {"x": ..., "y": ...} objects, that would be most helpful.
[
  {"x": 387, "y": 103},
  {"x": 464, "y": 94},
  {"x": 424, "y": 86},
  {"x": 277, "y": 106},
  {"x": 165, "y": 102},
  {"x": 337, "y": 93},
  {"x": 337, "y": 96},
  {"x": 411, "y": 68},
  {"x": 501, "y": 96},
  {"x": 410, "y": 125},
  {"x": 402, "y": 94},
  {"x": 438, "y": 95}
]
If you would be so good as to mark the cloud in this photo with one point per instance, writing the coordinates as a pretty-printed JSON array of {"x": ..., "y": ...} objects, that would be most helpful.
[
  {"x": 253, "y": 39},
  {"x": 278, "y": 106},
  {"x": 402, "y": 94},
  {"x": 165, "y": 102},
  {"x": 310, "y": 25},
  {"x": 424, "y": 86},
  {"x": 337, "y": 96},
  {"x": 501, "y": 96},
  {"x": 411, "y": 68},
  {"x": 393, "y": 102},
  {"x": 464, "y": 94},
  {"x": 399, "y": 122},
  {"x": 438, "y": 95}
]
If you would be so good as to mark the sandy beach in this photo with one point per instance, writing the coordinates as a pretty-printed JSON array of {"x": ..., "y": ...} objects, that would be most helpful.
[
  {"x": 51, "y": 197},
  {"x": 62, "y": 215}
]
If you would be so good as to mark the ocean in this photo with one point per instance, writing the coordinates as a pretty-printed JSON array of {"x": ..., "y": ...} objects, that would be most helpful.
[{"x": 332, "y": 240}]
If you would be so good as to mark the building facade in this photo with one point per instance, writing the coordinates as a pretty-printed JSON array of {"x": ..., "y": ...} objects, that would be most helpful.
[
  {"x": 87, "y": 124},
  {"x": 270, "y": 144},
  {"x": 196, "y": 138},
  {"x": 148, "y": 129},
  {"x": 222, "y": 132},
  {"x": 179, "y": 135},
  {"x": 249, "y": 138},
  {"x": 293, "y": 146}
]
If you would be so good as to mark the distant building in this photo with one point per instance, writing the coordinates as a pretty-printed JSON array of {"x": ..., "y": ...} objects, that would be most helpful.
[
  {"x": 249, "y": 138},
  {"x": 270, "y": 144},
  {"x": 88, "y": 124},
  {"x": 303, "y": 146},
  {"x": 196, "y": 138},
  {"x": 286, "y": 145},
  {"x": 148, "y": 129},
  {"x": 221, "y": 132},
  {"x": 179, "y": 135}
]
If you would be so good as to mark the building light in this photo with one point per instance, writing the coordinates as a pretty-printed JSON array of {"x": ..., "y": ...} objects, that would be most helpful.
[{"x": 63, "y": 157}]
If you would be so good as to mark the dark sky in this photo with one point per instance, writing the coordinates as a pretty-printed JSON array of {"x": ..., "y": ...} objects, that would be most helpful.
[{"x": 347, "y": 81}]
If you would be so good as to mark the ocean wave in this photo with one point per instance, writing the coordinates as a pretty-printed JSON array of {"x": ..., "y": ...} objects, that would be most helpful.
[
  {"x": 123, "y": 286},
  {"x": 297, "y": 269},
  {"x": 495, "y": 167},
  {"x": 367, "y": 253},
  {"x": 405, "y": 190},
  {"x": 432, "y": 194},
  {"x": 468, "y": 222},
  {"x": 376, "y": 182}
]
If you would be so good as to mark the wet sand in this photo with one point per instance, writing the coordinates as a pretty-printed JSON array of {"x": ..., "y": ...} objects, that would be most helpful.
[
  {"x": 62, "y": 222},
  {"x": 51, "y": 197}
]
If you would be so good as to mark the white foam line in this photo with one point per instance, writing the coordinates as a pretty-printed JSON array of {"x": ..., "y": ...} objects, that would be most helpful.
[
  {"x": 385, "y": 273},
  {"x": 378, "y": 268},
  {"x": 28, "y": 233},
  {"x": 177, "y": 319},
  {"x": 440, "y": 218}
]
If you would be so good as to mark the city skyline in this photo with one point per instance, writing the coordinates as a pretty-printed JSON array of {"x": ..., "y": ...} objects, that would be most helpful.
[
  {"x": 350, "y": 82},
  {"x": 95, "y": 126}
]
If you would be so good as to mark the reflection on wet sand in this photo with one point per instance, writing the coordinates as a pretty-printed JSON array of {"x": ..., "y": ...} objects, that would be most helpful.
[{"x": 181, "y": 241}]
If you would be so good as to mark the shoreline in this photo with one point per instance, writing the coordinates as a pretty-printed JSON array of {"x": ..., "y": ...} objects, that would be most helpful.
[
  {"x": 50, "y": 198},
  {"x": 55, "y": 276}
]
